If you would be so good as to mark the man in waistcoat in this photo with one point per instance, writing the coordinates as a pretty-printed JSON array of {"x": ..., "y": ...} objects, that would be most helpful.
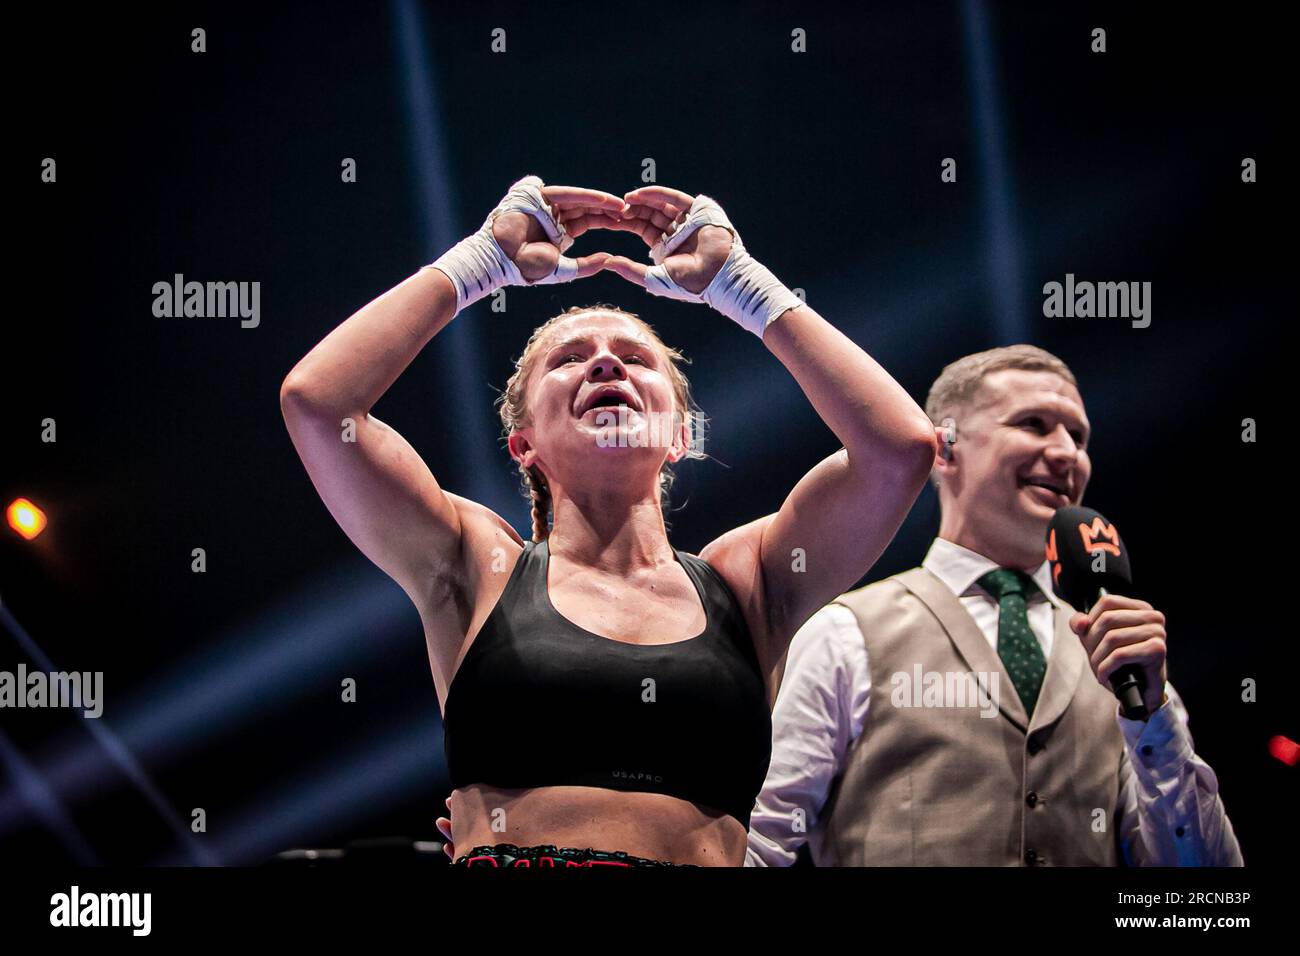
[{"x": 959, "y": 713}]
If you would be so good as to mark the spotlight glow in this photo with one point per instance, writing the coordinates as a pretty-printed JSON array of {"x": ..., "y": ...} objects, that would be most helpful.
[
  {"x": 1285, "y": 750},
  {"x": 25, "y": 518}
]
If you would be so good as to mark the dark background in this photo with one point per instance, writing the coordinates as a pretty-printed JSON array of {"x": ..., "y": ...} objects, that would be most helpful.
[{"x": 225, "y": 165}]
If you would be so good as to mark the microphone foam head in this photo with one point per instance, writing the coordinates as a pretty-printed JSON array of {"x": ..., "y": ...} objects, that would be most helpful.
[{"x": 1085, "y": 553}]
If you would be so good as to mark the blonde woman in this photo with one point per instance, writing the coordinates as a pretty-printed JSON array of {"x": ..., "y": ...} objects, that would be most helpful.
[{"x": 606, "y": 698}]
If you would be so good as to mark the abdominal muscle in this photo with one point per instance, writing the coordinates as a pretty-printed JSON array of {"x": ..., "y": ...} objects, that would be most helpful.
[{"x": 650, "y": 825}]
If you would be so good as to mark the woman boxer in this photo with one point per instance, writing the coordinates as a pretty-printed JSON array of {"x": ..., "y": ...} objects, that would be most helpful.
[{"x": 606, "y": 698}]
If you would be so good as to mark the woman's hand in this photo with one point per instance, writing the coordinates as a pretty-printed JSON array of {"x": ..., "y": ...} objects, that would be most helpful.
[
  {"x": 654, "y": 213},
  {"x": 523, "y": 240},
  {"x": 444, "y": 827},
  {"x": 699, "y": 257},
  {"x": 535, "y": 253}
]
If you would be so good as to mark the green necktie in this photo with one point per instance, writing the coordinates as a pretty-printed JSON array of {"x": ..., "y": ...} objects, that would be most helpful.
[{"x": 1017, "y": 646}]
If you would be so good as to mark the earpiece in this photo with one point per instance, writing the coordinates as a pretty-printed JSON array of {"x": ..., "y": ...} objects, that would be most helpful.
[{"x": 949, "y": 438}]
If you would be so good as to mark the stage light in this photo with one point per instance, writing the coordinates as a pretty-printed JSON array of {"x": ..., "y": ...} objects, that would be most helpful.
[
  {"x": 1285, "y": 750},
  {"x": 25, "y": 518}
]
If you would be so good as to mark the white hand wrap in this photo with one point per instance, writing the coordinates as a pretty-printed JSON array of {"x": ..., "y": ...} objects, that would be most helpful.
[
  {"x": 477, "y": 265},
  {"x": 744, "y": 290}
]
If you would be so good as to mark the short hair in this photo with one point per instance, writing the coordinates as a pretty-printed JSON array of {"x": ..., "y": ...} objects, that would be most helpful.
[{"x": 959, "y": 381}]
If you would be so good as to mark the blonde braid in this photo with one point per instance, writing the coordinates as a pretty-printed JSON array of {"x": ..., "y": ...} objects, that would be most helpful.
[{"x": 541, "y": 498}]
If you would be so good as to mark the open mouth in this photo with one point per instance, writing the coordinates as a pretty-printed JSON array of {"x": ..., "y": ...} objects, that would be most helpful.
[
  {"x": 608, "y": 403},
  {"x": 609, "y": 398}
]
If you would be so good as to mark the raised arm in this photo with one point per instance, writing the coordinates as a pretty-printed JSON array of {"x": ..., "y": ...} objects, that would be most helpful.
[
  {"x": 841, "y": 515},
  {"x": 844, "y": 512},
  {"x": 373, "y": 482}
]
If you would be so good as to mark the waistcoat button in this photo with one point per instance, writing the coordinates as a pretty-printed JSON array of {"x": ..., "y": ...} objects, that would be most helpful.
[
  {"x": 1031, "y": 798},
  {"x": 1031, "y": 857}
]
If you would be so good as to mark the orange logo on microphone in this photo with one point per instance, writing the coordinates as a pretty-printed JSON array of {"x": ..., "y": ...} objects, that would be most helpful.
[
  {"x": 1051, "y": 557},
  {"x": 1092, "y": 535}
]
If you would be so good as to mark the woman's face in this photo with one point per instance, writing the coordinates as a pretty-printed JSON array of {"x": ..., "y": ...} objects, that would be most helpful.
[{"x": 600, "y": 399}]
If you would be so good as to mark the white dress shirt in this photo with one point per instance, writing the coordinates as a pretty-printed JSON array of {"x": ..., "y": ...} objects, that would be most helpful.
[{"x": 1169, "y": 806}]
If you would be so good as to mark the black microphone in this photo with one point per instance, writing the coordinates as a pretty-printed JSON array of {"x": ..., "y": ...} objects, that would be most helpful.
[{"x": 1088, "y": 559}]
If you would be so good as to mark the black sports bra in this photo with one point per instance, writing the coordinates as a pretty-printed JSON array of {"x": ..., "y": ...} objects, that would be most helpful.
[{"x": 539, "y": 701}]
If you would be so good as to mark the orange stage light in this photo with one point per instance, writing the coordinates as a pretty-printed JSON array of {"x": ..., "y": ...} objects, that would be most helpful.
[{"x": 25, "y": 518}]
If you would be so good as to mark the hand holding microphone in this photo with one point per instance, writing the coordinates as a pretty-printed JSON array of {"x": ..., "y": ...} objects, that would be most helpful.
[{"x": 1123, "y": 637}]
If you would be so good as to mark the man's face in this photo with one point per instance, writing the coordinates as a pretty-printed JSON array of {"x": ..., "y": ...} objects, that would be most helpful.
[{"x": 1020, "y": 454}]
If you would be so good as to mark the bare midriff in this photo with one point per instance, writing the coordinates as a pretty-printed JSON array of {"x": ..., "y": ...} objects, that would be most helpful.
[{"x": 650, "y": 825}]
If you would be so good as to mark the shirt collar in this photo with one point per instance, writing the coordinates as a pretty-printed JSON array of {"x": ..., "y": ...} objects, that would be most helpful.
[{"x": 959, "y": 568}]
